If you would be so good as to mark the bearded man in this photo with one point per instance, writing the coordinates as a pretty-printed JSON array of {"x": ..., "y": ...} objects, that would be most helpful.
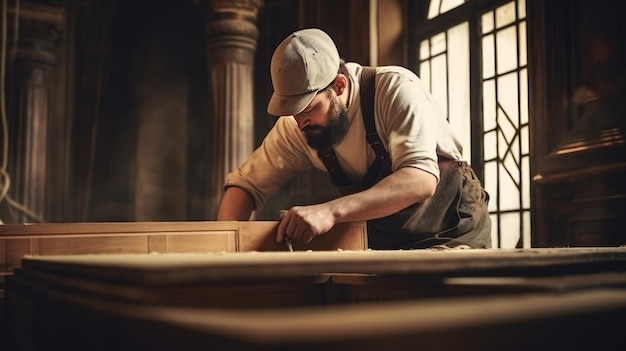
[{"x": 384, "y": 142}]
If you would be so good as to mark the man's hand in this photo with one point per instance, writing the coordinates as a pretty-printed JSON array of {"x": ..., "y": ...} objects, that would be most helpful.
[
  {"x": 303, "y": 223},
  {"x": 398, "y": 190}
]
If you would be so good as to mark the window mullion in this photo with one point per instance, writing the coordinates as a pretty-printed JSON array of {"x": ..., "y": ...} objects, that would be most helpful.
[{"x": 476, "y": 96}]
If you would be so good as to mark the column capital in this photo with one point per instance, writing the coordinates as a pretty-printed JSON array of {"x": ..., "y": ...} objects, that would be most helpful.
[
  {"x": 243, "y": 6},
  {"x": 39, "y": 27},
  {"x": 232, "y": 23}
]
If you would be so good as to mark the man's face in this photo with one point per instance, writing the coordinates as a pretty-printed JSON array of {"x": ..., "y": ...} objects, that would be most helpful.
[{"x": 325, "y": 121}]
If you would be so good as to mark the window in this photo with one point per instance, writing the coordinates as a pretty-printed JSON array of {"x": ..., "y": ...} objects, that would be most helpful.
[{"x": 472, "y": 55}]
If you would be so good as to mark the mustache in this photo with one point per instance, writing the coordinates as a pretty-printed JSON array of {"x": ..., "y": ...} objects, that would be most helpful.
[{"x": 311, "y": 129}]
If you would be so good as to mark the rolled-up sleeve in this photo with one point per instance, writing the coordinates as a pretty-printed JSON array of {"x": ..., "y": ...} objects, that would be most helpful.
[
  {"x": 410, "y": 123},
  {"x": 280, "y": 156}
]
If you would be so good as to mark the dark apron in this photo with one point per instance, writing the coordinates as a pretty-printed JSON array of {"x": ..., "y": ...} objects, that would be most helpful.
[{"x": 455, "y": 215}]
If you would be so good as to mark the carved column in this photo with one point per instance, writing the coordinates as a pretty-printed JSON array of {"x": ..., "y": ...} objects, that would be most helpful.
[
  {"x": 232, "y": 34},
  {"x": 29, "y": 84}
]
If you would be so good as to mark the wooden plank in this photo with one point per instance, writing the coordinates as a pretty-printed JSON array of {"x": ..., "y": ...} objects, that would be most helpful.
[
  {"x": 18, "y": 240},
  {"x": 177, "y": 268}
]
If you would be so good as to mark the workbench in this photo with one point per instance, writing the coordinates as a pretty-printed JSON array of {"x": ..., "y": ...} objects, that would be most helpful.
[{"x": 499, "y": 299}]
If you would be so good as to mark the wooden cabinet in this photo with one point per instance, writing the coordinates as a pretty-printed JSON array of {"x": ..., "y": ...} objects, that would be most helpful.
[{"x": 577, "y": 67}]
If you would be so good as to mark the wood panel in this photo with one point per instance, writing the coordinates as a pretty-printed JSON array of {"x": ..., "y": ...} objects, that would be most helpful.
[
  {"x": 577, "y": 75},
  {"x": 17, "y": 241}
]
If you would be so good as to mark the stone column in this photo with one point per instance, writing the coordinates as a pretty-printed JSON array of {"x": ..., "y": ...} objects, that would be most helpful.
[
  {"x": 231, "y": 34},
  {"x": 29, "y": 82}
]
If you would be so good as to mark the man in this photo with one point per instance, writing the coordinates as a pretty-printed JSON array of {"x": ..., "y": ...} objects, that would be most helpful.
[{"x": 392, "y": 155}]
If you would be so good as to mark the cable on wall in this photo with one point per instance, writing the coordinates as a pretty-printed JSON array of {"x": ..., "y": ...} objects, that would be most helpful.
[{"x": 5, "y": 178}]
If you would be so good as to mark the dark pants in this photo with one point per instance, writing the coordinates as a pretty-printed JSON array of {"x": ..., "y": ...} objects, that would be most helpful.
[{"x": 457, "y": 214}]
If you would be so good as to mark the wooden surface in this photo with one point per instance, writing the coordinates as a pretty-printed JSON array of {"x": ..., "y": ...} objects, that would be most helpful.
[
  {"x": 172, "y": 268},
  {"x": 517, "y": 299},
  {"x": 16, "y": 241}
]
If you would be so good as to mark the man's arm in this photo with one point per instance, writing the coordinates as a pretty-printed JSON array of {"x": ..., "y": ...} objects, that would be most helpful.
[
  {"x": 395, "y": 192},
  {"x": 236, "y": 205}
]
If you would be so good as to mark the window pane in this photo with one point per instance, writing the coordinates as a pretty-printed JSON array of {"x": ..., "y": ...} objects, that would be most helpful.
[
  {"x": 522, "y": 44},
  {"x": 458, "y": 93},
  {"x": 526, "y": 232},
  {"x": 511, "y": 164},
  {"x": 437, "y": 44},
  {"x": 490, "y": 141},
  {"x": 502, "y": 145},
  {"x": 491, "y": 184},
  {"x": 506, "y": 42},
  {"x": 447, "y": 5},
  {"x": 507, "y": 99},
  {"x": 433, "y": 8},
  {"x": 489, "y": 105},
  {"x": 526, "y": 182},
  {"x": 488, "y": 57},
  {"x": 439, "y": 83},
  {"x": 425, "y": 73},
  {"x": 495, "y": 241},
  {"x": 424, "y": 50},
  {"x": 486, "y": 22},
  {"x": 523, "y": 97},
  {"x": 437, "y": 7},
  {"x": 512, "y": 221},
  {"x": 505, "y": 14},
  {"x": 509, "y": 191},
  {"x": 521, "y": 9},
  {"x": 524, "y": 138}
]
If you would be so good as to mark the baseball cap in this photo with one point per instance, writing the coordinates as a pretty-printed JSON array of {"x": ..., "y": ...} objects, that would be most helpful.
[{"x": 304, "y": 63}]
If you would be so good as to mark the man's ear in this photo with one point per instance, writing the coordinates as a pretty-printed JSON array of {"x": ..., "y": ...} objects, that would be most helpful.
[{"x": 340, "y": 85}]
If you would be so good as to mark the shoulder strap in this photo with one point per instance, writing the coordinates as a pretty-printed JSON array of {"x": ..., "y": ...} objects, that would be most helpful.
[
  {"x": 368, "y": 84},
  {"x": 367, "y": 89}
]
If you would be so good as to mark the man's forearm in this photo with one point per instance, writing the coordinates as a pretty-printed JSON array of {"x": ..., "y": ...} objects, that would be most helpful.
[
  {"x": 392, "y": 194},
  {"x": 236, "y": 205}
]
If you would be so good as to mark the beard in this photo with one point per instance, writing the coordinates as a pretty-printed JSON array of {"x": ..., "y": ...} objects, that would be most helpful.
[{"x": 336, "y": 128}]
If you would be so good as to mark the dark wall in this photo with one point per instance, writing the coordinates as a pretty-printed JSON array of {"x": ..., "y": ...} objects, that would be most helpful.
[
  {"x": 140, "y": 122},
  {"x": 141, "y": 95}
]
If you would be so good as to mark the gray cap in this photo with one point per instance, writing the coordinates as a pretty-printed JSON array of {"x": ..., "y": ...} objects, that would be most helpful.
[{"x": 303, "y": 64}]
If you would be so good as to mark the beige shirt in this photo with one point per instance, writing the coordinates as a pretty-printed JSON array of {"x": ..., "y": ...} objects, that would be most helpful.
[{"x": 410, "y": 125}]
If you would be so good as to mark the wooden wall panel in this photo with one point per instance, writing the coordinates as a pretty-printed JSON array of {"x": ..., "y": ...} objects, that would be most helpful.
[{"x": 577, "y": 77}]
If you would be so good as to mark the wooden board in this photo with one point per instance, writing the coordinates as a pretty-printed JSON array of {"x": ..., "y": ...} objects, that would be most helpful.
[
  {"x": 178, "y": 268},
  {"x": 19, "y": 240}
]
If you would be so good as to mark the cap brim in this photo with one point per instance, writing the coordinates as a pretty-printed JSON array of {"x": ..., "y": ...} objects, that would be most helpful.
[{"x": 289, "y": 105}]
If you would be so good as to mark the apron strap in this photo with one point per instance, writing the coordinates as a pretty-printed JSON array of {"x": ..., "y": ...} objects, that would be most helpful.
[
  {"x": 368, "y": 85},
  {"x": 328, "y": 157}
]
